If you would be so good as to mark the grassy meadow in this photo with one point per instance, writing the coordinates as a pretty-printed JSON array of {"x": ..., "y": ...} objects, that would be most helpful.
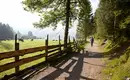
[{"x": 6, "y": 46}]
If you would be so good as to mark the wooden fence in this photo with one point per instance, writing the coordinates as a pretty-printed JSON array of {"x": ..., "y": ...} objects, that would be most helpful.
[{"x": 17, "y": 53}]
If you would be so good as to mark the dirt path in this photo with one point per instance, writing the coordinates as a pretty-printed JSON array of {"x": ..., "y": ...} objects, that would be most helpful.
[
  {"x": 81, "y": 66},
  {"x": 94, "y": 62}
]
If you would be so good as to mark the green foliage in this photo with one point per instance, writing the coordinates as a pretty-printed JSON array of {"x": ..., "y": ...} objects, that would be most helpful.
[
  {"x": 52, "y": 12},
  {"x": 112, "y": 19},
  {"x": 124, "y": 23},
  {"x": 104, "y": 19},
  {"x": 84, "y": 26}
]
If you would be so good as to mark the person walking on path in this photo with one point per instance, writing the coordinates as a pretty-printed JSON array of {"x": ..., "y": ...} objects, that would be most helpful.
[{"x": 92, "y": 41}]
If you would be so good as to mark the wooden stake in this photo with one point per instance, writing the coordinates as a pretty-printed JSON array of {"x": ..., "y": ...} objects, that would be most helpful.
[
  {"x": 46, "y": 50},
  {"x": 17, "y": 57},
  {"x": 59, "y": 46}
]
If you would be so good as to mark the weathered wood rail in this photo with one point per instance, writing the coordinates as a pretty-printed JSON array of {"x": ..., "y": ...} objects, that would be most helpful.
[{"x": 17, "y": 53}]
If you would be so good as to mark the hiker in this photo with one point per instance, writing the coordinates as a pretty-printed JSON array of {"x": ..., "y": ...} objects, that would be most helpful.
[{"x": 92, "y": 41}]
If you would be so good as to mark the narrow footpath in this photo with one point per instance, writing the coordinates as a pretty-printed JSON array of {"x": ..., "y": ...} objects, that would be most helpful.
[{"x": 81, "y": 66}]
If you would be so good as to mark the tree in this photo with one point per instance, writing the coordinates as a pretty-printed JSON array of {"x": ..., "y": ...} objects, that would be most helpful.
[
  {"x": 105, "y": 19},
  {"x": 55, "y": 11},
  {"x": 112, "y": 20},
  {"x": 122, "y": 18},
  {"x": 84, "y": 26},
  {"x": 6, "y": 32}
]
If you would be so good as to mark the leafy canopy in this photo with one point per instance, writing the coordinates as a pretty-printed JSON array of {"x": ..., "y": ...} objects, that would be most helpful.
[{"x": 51, "y": 12}]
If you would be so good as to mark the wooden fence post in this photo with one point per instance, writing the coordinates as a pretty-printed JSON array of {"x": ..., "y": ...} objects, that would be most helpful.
[
  {"x": 70, "y": 46},
  {"x": 16, "y": 57},
  {"x": 74, "y": 43},
  {"x": 46, "y": 50},
  {"x": 59, "y": 45}
]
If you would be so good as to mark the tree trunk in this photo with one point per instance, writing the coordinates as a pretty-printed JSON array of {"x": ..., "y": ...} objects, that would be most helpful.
[
  {"x": 67, "y": 22},
  {"x": 85, "y": 39}
]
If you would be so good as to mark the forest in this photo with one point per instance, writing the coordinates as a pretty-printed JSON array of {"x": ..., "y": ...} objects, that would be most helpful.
[
  {"x": 112, "y": 20},
  {"x": 6, "y": 32}
]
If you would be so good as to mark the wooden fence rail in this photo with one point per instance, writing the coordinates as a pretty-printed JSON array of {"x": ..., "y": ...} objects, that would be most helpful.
[{"x": 17, "y": 53}]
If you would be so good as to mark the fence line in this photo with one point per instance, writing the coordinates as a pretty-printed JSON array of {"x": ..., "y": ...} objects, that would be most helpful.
[{"x": 17, "y": 53}]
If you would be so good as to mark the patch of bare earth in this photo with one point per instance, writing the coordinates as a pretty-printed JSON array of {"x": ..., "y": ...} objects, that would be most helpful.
[{"x": 81, "y": 66}]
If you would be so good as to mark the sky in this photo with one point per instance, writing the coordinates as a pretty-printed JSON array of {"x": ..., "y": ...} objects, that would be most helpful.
[
  {"x": 12, "y": 13},
  {"x": 94, "y": 4}
]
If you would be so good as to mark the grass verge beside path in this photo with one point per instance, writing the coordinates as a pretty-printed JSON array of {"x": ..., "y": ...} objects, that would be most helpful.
[{"x": 117, "y": 67}]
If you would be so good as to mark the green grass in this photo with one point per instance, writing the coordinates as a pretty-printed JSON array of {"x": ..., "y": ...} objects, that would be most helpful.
[
  {"x": 6, "y": 46},
  {"x": 118, "y": 67}
]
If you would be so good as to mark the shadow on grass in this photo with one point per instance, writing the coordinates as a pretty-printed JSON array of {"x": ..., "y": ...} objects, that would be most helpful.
[
  {"x": 6, "y": 46},
  {"x": 118, "y": 51}
]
